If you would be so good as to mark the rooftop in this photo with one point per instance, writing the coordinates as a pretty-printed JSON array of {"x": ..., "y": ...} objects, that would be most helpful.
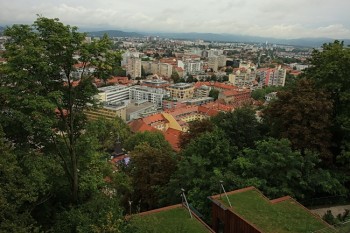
[
  {"x": 280, "y": 215},
  {"x": 169, "y": 219}
]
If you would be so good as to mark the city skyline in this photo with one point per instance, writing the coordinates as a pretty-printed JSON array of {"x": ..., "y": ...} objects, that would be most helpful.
[{"x": 271, "y": 18}]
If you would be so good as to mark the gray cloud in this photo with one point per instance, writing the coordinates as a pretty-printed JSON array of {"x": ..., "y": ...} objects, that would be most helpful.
[{"x": 273, "y": 18}]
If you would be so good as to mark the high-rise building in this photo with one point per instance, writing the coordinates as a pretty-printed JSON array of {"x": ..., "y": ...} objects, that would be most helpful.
[
  {"x": 213, "y": 63},
  {"x": 134, "y": 67}
]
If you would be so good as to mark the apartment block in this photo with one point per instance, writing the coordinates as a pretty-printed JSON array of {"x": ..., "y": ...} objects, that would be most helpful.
[
  {"x": 133, "y": 67},
  {"x": 113, "y": 94},
  {"x": 153, "y": 95},
  {"x": 181, "y": 91}
]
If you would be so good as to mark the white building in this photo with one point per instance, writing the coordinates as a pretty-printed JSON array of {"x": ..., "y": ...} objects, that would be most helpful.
[
  {"x": 153, "y": 95},
  {"x": 113, "y": 94},
  {"x": 193, "y": 67}
]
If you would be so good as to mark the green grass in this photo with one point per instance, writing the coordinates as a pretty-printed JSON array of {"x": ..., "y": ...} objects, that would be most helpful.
[
  {"x": 282, "y": 217},
  {"x": 174, "y": 220}
]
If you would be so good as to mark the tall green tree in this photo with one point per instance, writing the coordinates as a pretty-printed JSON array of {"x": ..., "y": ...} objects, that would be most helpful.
[
  {"x": 42, "y": 108},
  {"x": 303, "y": 115},
  {"x": 241, "y": 127},
  {"x": 329, "y": 70},
  {"x": 196, "y": 128},
  {"x": 214, "y": 93},
  {"x": 150, "y": 170},
  {"x": 202, "y": 166},
  {"x": 276, "y": 169}
]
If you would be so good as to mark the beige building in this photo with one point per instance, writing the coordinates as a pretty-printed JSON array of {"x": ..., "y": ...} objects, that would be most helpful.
[
  {"x": 108, "y": 111},
  {"x": 134, "y": 67},
  {"x": 162, "y": 69},
  {"x": 213, "y": 63},
  {"x": 181, "y": 91}
]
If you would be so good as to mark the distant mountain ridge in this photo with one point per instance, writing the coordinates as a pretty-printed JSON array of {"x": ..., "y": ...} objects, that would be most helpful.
[
  {"x": 1, "y": 30},
  {"x": 114, "y": 33},
  {"x": 306, "y": 42}
]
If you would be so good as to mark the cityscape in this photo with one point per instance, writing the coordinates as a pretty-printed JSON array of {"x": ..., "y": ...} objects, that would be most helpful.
[{"x": 139, "y": 117}]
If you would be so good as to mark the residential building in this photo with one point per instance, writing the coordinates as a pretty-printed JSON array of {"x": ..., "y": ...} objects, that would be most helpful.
[
  {"x": 113, "y": 94},
  {"x": 236, "y": 97},
  {"x": 213, "y": 63},
  {"x": 271, "y": 76},
  {"x": 155, "y": 83},
  {"x": 181, "y": 91},
  {"x": 153, "y": 95},
  {"x": 202, "y": 91},
  {"x": 133, "y": 67},
  {"x": 193, "y": 67},
  {"x": 139, "y": 109},
  {"x": 221, "y": 60},
  {"x": 108, "y": 110},
  {"x": 242, "y": 77}
]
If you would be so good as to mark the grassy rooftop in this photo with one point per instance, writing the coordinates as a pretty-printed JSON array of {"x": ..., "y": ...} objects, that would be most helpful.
[
  {"x": 282, "y": 217},
  {"x": 168, "y": 221}
]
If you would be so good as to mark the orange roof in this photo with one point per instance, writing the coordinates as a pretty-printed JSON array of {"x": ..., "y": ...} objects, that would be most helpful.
[
  {"x": 81, "y": 65},
  {"x": 140, "y": 126},
  {"x": 154, "y": 118},
  {"x": 236, "y": 92},
  {"x": 173, "y": 137},
  {"x": 215, "y": 84},
  {"x": 207, "y": 111}
]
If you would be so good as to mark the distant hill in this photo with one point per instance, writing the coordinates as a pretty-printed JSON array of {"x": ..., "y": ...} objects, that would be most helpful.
[
  {"x": 305, "y": 42},
  {"x": 1, "y": 30},
  {"x": 114, "y": 33}
]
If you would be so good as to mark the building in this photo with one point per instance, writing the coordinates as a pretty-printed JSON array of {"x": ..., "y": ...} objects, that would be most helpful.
[
  {"x": 271, "y": 76},
  {"x": 155, "y": 83},
  {"x": 202, "y": 91},
  {"x": 153, "y": 95},
  {"x": 193, "y": 67},
  {"x": 242, "y": 77},
  {"x": 108, "y": 110},
  {"x": 181, "y": 91},
  {"x": 113, "y": 94},
  {"x": 213, "y": 63},
  {"x": 221, "y": 60},
  {"x": 247, "y": 210},
  {"x": 139, "y": 109},
  {"x": 162, "y": 69},
  {"x": 133, "y": 67},
  {"x": 236, "y": 97}
]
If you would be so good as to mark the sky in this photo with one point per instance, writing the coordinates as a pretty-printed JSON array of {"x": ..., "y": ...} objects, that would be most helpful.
[{"x": 287, "y": 19}]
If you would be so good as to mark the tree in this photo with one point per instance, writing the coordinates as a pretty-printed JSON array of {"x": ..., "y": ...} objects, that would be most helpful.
[
  {"x": 175, "y": 77},
  {"x": 26, "y": 181},
  {"x": 196, "y": 128},
  {"x": 277, "y": 170},
  {"x": 203, "y": 164},
  {"x": 329, "y": 71},
  {"x": 303, "y": 115},
  {"x": 240, "y": 126},
  {"x": 150, "y": 169},
  {"x": 108, "y": 132},
  {"x": 48, "y": 115},
  {"x": 214, "y": 93},
  {"x": 154, "y": 139}
]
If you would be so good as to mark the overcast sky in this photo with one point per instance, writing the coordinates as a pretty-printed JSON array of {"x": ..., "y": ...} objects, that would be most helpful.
[{"x": 271, "y": 18}]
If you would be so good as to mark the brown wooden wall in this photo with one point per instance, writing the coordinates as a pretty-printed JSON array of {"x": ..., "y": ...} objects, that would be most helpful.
[{"x": 232, "y": 222}]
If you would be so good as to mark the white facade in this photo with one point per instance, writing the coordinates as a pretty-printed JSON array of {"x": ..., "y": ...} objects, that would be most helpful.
[
  {"x": 113, "y": 94},
  {"x": 153, "y": 95}
]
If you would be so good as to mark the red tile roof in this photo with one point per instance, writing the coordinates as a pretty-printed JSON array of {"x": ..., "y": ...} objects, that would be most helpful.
[
  {"x": 140, "y": 126},
  {"x": 154, "y": 118},
  {"x": 173, "y": 137}
]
